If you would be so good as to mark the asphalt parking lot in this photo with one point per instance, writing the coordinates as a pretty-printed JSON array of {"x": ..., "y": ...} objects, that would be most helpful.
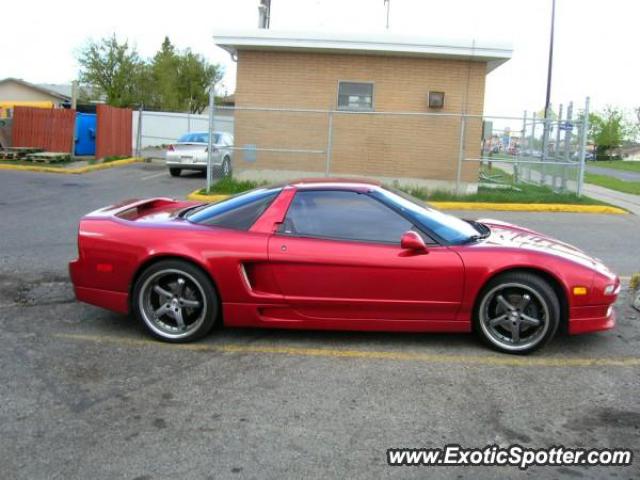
[{"x": 84, "y": 393}]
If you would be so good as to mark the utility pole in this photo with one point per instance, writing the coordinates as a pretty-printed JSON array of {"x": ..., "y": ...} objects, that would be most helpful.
[
  {"x": 264, "y": 13},
  {"x": 388, "y": 5},
  {"x": 549, "y": 71},
  {"x": 547, "y": 103}
]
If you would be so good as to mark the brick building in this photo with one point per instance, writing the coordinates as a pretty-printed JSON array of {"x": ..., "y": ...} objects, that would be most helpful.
[{"x": 377, "y": 89}]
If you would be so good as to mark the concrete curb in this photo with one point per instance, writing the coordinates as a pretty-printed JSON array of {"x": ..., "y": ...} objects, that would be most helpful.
[
  {"x": 206, "y": 198},
  {"x": 514, "y": 207},
  {"x": 71, "y": 171}
]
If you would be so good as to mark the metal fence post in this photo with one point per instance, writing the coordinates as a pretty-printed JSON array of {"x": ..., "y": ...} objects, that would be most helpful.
[
  {"x": 583, "y": 145},
  {"x": 210, "y": 139},
  {"x": 327, "y": 167},
  {"x": 556, "y": 149},
  {"x": 568, "y": 133},
  {"x": 519, "y": 148},
  {"x": 532, "y": 143},
  {"x": 460, "y": 153},
  {"x": 139, "y": 133}
]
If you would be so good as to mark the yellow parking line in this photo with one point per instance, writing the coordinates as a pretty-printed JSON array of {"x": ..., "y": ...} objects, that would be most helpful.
[{"x": 477, "y": 360}]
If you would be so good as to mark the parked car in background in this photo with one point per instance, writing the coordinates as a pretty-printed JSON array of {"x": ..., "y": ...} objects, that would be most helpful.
[{"x": 190, "y": 152}]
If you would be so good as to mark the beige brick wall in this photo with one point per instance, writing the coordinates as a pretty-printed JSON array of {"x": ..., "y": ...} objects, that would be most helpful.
[{"x": 424, "y": 147}]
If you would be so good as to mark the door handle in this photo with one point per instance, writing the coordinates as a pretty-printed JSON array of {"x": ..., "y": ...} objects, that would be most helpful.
[{"x": 283, "y": 248}]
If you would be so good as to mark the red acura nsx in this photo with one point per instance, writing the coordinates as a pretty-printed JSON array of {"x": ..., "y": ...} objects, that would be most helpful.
[{"x": 336, "y": 254}]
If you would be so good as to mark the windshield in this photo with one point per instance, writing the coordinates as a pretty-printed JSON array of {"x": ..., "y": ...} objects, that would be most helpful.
[
  {"x": 449, "y": 228},
  {"x": 202, "y": 137}
]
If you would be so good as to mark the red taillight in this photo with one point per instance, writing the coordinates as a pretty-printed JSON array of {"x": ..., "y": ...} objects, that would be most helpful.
[{"x": 170, "y": 148}]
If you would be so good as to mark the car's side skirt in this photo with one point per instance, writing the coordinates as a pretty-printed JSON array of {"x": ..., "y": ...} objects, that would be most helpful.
[{"x": 280, "y": 316}]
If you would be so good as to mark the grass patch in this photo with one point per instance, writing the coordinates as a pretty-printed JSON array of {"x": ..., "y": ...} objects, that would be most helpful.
[
  {"x": 612, "y": 183},
  {"x": 527, "y": 194},
  {"x": 617, "y": 165},
  {"x": 231, "y": 186}
]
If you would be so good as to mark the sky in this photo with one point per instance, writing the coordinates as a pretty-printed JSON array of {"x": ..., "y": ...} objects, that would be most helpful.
[{"x": 595, "y": 46}]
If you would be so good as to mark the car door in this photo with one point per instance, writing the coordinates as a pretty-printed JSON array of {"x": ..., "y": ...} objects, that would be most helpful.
[{"x": 337, "y": 256}]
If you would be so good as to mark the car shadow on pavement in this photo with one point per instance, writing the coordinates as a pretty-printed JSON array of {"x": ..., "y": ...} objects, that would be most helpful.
[{"x": 124, "y": 327}]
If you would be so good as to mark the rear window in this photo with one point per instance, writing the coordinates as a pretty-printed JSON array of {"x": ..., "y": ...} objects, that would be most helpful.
[
  {"x": 198, "y": 138},
  {"x": 239, "y": 212}
]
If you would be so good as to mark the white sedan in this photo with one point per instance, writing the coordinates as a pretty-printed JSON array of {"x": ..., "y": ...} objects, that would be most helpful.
[{"x": 191, "y": 149}]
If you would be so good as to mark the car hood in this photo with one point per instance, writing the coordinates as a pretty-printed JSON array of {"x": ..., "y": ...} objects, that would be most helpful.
[{"x": 510, "y": 235}]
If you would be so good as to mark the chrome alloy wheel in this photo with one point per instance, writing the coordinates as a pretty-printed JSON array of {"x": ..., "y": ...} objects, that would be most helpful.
[
  {"x": 172, "y": 303},
  {"x": 514, "y": 316}
]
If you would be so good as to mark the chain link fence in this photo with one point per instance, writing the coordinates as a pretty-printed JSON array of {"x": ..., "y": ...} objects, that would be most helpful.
[
  {"x": 434, "y": 151},
  {"x": 533, "y": 150}
]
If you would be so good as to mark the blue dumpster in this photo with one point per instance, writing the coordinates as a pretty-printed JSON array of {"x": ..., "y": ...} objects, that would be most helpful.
[{"x": 85, "y": 134}]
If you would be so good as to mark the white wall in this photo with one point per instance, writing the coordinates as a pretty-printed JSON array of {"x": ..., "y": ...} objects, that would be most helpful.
[{"x": 160, "y": 128}]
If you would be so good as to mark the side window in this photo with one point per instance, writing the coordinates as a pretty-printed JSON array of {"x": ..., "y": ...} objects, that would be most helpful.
[
  {"x": 343, "y": 215},
  {"x": 238, "y": 213}
]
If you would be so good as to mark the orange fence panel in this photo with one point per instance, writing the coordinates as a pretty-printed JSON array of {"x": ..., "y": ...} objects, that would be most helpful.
[
  {"x": 48, "y": 128},
  {"x": 113, "y": 136}
]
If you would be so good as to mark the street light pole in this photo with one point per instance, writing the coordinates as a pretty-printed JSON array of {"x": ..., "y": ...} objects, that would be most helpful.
[
  {"x": 547, "y": 103},
  {"x": 550, "y": 69}
]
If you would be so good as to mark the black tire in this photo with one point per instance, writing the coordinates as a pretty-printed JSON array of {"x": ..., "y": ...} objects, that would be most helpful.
[
  {"x": 226, "y": 169},
  {"x": 175, "y": 172},
  {"x": 180, "y": 286},
  {"x": 507, "y": 324}
]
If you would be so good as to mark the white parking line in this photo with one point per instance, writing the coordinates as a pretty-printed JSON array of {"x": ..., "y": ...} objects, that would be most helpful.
[{"x": 148, "y": 177}]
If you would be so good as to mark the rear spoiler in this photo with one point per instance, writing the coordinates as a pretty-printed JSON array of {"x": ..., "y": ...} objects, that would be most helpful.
[{"x": 131, "y": 208}]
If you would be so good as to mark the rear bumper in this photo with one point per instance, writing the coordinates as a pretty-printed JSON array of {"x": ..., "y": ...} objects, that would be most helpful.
[
  {"x": 115, "y": 301},
  {"x": 188, "y": 166},
  {"x": 591, "y": 319}
]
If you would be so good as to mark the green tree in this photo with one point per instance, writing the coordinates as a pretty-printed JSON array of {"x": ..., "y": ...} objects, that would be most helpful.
[
  {"x": 195, "y": 75},
  {"x": 164, "y": 68},
  {"x": 172, "y": 80},
  {"x": 116, "y": 70},
  {"x": 608, "y": 130}
]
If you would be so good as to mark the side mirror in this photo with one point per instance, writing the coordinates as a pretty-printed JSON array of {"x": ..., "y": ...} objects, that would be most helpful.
[{"x": 412, "y": 241}]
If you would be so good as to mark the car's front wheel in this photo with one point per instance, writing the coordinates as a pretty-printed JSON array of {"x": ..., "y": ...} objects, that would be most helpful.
[
  {"x": 175, "y": 172},
  {"x": 517, "y": 312},
  {"x": 175, "y": 301}
]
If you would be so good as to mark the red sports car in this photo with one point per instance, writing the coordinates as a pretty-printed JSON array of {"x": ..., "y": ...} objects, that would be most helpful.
[{"x": 336, "y": 254}]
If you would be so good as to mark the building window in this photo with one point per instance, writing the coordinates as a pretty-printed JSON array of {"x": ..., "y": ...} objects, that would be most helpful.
[
  {"x": 355, "y": 96},
  {"x": 436, "y": 99}
]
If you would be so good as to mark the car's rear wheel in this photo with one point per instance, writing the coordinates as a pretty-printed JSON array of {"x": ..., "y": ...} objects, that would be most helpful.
[
  {"x": 175, "y": 301},
  {"x": 225, "y": 169},
  {"x": 517, "y": 312},
  {"x": 175, "y": 172}
]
